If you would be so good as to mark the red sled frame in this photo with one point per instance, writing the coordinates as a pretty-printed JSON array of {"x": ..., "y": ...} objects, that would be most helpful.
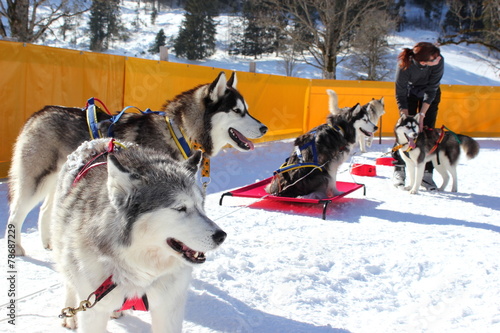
[{"x": 257, "y": 191}]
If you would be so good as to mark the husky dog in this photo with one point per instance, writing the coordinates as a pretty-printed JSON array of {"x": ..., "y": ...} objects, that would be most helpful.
[
  {"x": 211, "y": 115},
  {"x": 325, "y": 147},
  {"x": 134, "y": 216},
  {"x": 374, "y": 108},
  {"x": 417, "y": 149}
]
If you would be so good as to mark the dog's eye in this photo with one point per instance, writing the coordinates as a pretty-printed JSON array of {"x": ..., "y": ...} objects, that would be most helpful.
[
  {"x": 181, "y": 209},
  {"x": 238, "y": 110}
]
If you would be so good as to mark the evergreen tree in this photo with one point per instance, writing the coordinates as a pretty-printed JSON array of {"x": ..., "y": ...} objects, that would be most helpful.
[
  {"x": 104, "y": 23},
  {"x": 159, "y": 41},
  {"x": 259, "y": 36},
  {"x": 196, "y": 39}
]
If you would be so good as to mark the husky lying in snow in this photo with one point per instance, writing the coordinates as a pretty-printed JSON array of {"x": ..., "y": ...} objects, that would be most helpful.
[
  {"x": 374, "y": 108},
  {"x": 326, "y": 147},
  {"x": 416, "y": 149},
  {"x": 211, "y": 115},
  {"x": 134, "y": 219}
]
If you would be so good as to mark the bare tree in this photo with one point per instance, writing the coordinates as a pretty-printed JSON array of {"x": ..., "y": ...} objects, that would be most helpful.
[
  {"x": 28, "y": 20},
  {"x": 475, "y": 22},
  {"x": 327, "y": 25},
  {"x": 289, "y": 62},
  {"x": 370, "y": 47}
]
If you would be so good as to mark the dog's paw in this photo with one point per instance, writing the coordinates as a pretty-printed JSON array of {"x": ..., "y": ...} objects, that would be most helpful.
[
  {"x": 70, "y": 323},
  {"x": 414, "y": 191},
  {"x": 118, "y": 314},
  {"x": 19, "y": 250}
]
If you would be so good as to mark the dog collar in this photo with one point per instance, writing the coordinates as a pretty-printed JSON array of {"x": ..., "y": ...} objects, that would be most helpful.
[
  {"x": 205, "y": 162},
  {"x": 338, "y": 128},
  {"x": 185, "y": 148},
  {"x": 401, "y": 145},
  {"x": 179, "y": 138}
]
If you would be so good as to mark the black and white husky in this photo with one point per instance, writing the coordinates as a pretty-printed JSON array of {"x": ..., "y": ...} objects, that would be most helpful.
[
  {"x": 374, "y": 108},
  {"x": 442, "y": 148},
  {"x": 311, "y": 169},
  {"x": 212, "y": 115},
  {"x": 129, "y": 224}
]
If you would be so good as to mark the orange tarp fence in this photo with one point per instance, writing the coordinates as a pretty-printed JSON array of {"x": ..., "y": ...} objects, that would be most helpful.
[{"x": 33, "y": 76}]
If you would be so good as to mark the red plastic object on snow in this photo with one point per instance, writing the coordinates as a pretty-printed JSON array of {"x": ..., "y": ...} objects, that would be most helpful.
[
  {"x": 364, "y": 170},
  {"x": 257, "y": 191},
  {"x": 385, "y": 161}
]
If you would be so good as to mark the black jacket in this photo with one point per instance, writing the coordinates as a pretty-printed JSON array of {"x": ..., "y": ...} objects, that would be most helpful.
[{"x": 420, "y": 81}]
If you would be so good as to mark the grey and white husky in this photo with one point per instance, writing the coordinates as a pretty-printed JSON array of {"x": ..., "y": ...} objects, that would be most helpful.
[
  {"x": 325, "y": 147},
  {"x": 417, "y": 148},
  {"x": 133, "y": 218},
  {"x": 374, "y": 108},
  {"x": 213, "y": 115}
]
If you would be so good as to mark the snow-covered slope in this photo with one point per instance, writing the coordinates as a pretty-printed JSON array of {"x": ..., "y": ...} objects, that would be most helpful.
[{"x": 465, "y": 65}]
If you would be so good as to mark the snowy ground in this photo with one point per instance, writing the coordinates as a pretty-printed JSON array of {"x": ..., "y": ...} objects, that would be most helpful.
[{"x": 385, "y": 262}]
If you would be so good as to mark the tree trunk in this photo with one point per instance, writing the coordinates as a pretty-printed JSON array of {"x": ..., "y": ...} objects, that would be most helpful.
[
  {"x": 329, "y": 72},
  {"x": 18, "y": 14}
]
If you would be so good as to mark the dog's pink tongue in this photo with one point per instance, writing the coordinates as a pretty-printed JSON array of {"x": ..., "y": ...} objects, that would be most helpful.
[
  {"x": 411, "y": 143},
  {"x": 244, "y": 139}
]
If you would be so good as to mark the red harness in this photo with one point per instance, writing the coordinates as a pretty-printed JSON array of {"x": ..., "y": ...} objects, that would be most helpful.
[{"x": 136, "y": 303}]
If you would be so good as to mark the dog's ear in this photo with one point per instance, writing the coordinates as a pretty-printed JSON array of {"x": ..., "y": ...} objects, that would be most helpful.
[
  {"x": 233, "y": 81},
  {"x": 119, "y": 182},
  {"x": 355, "y": 109},
  {"x": 417, "y": 117},
  {"x": 218, "y": 87},
  {"x": 402, "y": 117},
  {"x": 194, "y": 161}
]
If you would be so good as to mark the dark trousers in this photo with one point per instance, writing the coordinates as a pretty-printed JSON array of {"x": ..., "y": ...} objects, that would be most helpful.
[{"x": 414, "y": 104}]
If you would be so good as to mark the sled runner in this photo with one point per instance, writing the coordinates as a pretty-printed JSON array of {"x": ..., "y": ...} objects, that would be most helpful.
[{"x": 257, "y": 191}]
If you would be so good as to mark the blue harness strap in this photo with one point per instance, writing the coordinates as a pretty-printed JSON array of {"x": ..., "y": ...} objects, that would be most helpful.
[
  {"x": 92, "y": 119},
  {"x": 298, "y": 150},
  {"x": 178, "y": 137},
  {"x": 93, "y": 124},
  {"x": 117, "y": 117}
]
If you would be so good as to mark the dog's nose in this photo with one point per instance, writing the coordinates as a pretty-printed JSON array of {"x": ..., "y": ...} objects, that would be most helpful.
[
  {"x": 219, "y": 237},
  {"x": 263, "y": 129},
  {"x": 376, "y": 128}
]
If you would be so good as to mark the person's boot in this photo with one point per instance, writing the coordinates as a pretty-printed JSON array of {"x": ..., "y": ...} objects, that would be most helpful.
[
  {"x": 427, "y": 181},
  {"x": 399, "y": 176}
]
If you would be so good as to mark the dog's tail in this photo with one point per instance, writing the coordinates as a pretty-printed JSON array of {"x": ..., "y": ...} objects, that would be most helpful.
[
  {"x": 333, "y": 102},
  {"x": 469, "y": 145}
]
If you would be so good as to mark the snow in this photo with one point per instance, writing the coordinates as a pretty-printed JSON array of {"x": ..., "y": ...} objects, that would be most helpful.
[
  {"x": 385, "y": 262},
  {"x": 464, "y": 64}
]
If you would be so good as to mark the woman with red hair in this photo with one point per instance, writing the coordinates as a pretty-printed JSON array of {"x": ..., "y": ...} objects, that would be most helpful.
[{"x": 418, "y": 76}]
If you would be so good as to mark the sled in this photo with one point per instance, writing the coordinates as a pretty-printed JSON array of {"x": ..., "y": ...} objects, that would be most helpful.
[{"x": 257, "y": 191}]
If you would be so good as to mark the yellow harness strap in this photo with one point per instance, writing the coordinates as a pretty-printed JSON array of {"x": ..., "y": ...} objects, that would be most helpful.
[
  {"x": 176, "y": 134},
  {"x": 205, "y": 162},
  {"x": 185, "y": 147},
  {"x": 401, "y": 145}
]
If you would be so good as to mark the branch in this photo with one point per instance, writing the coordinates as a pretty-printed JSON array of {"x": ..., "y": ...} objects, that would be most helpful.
[{"x": 450, "y": 40}]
